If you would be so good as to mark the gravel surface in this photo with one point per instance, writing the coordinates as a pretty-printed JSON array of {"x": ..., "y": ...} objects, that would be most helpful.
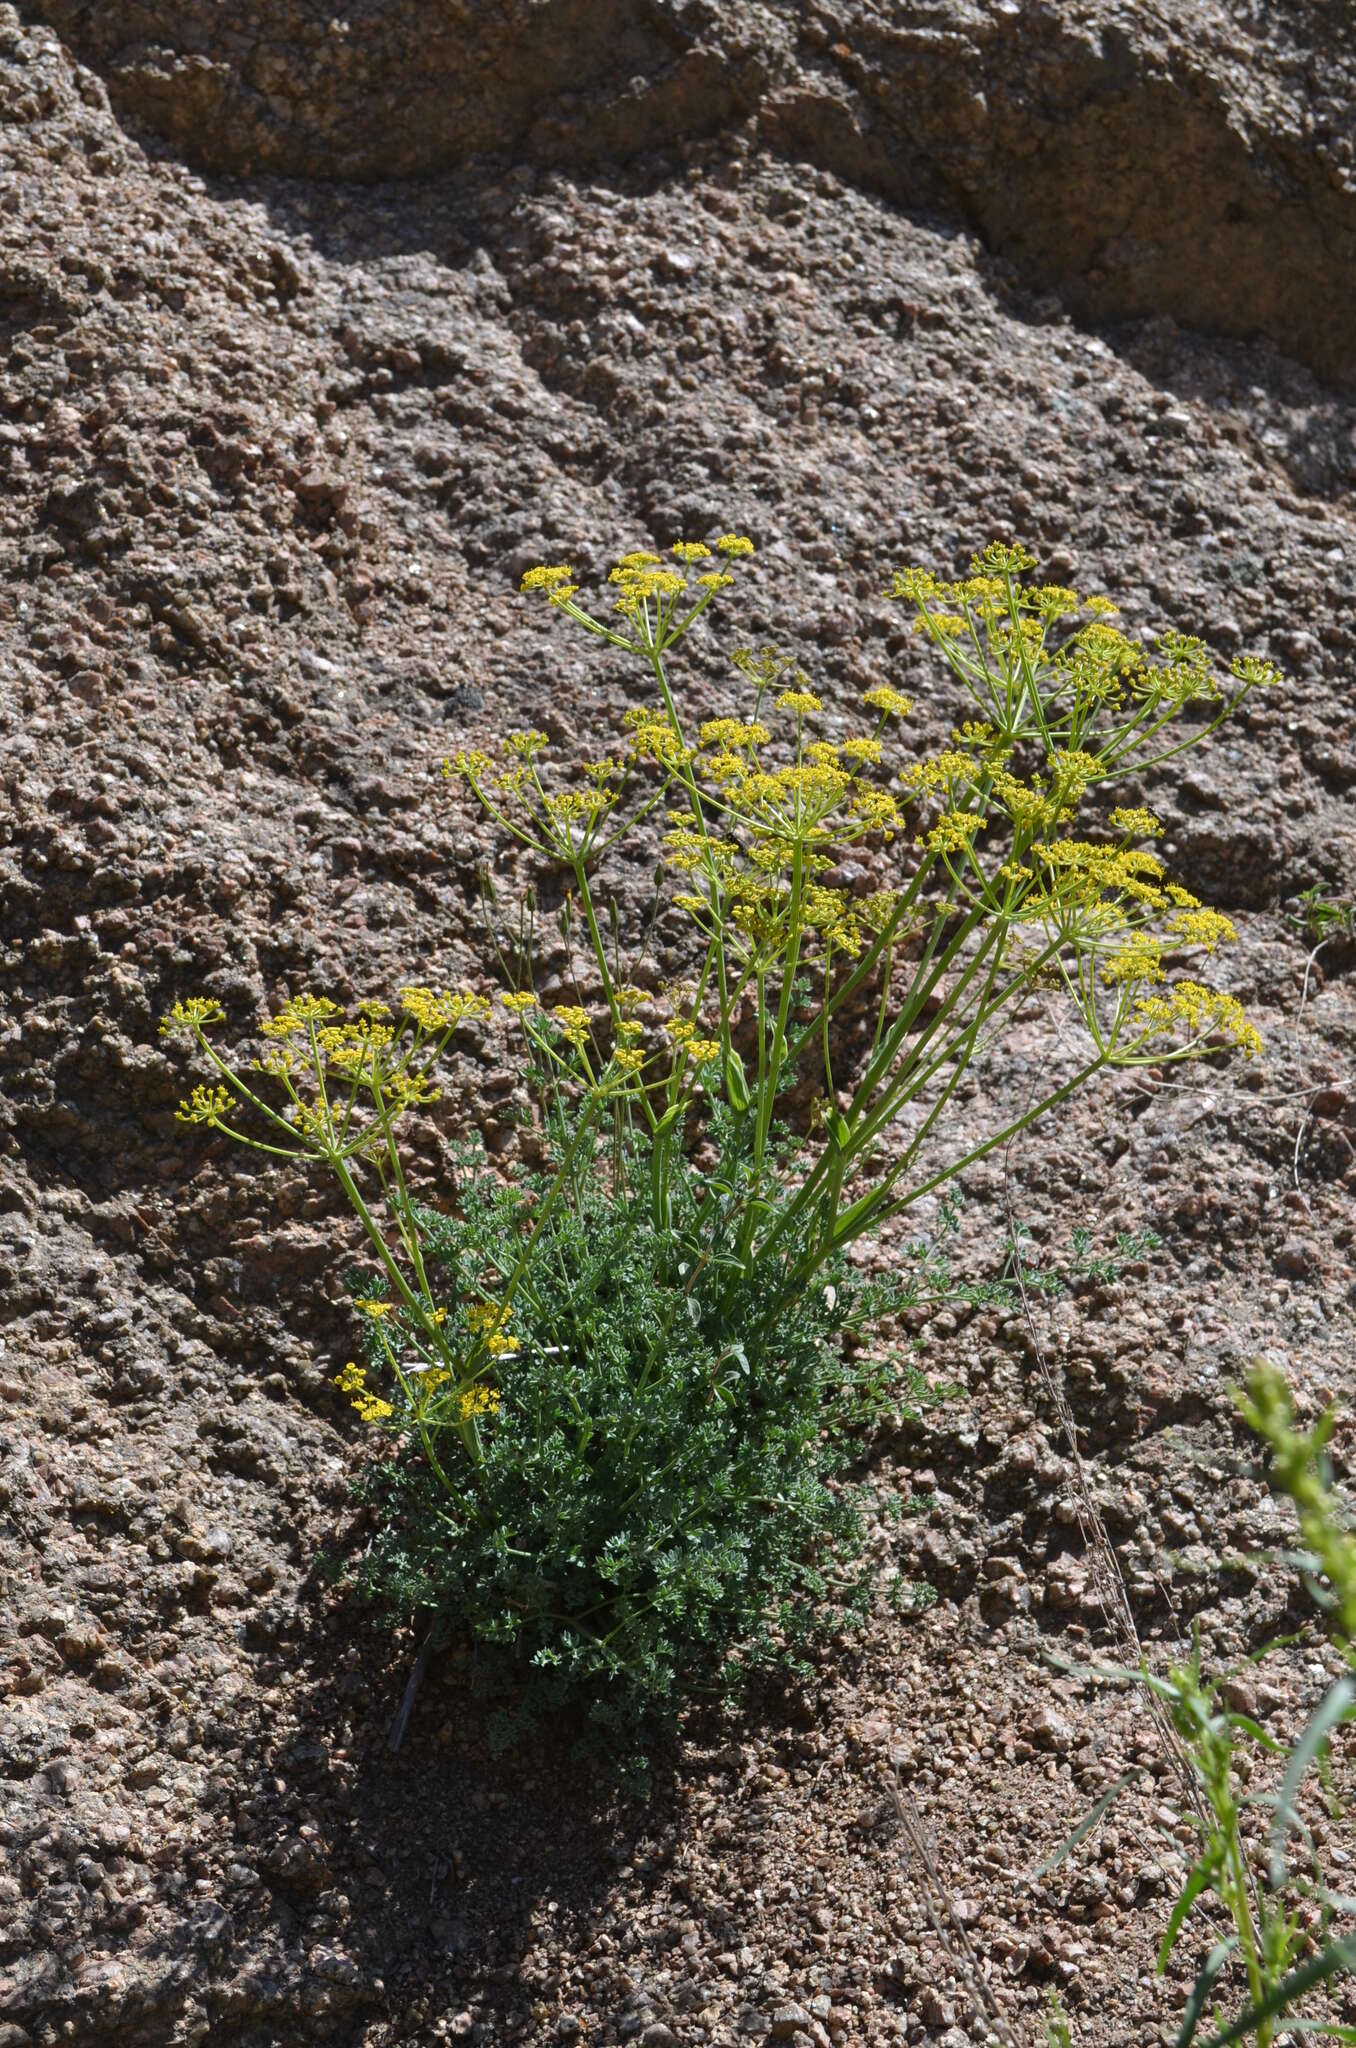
[{"x": 274, "y": 457}]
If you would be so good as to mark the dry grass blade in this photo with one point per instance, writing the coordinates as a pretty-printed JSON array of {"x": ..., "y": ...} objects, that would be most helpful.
[{"x": 949, "y": 1930}]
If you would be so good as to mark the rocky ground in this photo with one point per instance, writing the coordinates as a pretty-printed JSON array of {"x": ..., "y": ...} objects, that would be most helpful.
[{"x": 275, "y": 454}]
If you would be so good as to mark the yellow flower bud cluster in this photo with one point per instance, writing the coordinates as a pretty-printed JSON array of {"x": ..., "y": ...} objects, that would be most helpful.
[
  {"x": 996, "y": 633},
  {"x": 1202, "y": 1011},
  {"x": 1203, "y": 928},
  {"x": 953, "y": 833},
  {"x": 205, "y": 1106},
  {"x": 1136, "y": 823},
  {"x": 442, "y": 1010},
  {"x": 653, "y": 598},
  {"x": 686, "y": 1038},
  {"x": 353, "y": 1382},
  {"x": 193, "y": 1014},
  {"x": 488, "y": 1321},
  {"x": 574, "y": 1024},
  {"x": 299, "y": 1016},
  {"x": 889, "y": 702}
]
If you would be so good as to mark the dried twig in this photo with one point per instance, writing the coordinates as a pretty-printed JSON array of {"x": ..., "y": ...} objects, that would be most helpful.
[{"x": 402, "y": 1715}]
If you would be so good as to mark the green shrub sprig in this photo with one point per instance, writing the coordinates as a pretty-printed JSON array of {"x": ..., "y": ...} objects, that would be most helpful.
[{"x": 1291, "y": 1931}]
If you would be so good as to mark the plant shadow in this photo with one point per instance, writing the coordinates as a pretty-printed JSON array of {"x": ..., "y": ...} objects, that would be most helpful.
[{"x": 435, "y": 1883}]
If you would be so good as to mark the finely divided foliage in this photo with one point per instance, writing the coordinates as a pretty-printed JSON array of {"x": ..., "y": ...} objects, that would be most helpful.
[{"x": 615, "y": 1385}]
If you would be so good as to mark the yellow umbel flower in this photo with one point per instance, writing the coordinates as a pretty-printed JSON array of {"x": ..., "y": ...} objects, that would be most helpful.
[
  {"x": 1201, "y": 1010},
  {"x": 1139, "y": 959},
  {"x": 375, "y": 1308},
  {"x": 953, "y": 832},
  {"x": 193, "y": 1014},
  {"x": 800, "y": 701},
  {"x": 479, "y": 1400},
  {"x": 544, "y": 578},
  {"x": 1072, "y": 772},
  {"x": 1256, "y": 673},
  {"x": 578, "y": 806},
  {"x": 352, "y": 1381},
  {"x": 372, "y": 1408},
  {"x": 726, "y": 733},
  {"x": 345, "y": 1043},
  {"x": 878, "y": 909},
  {"x": 574, "y": 1024},
  {"x": 918, "y": 586},
  {"x": 205, "y": 1106},
  {"x": 875, "y": 810},
  {"x": 890, "y": 703},
  {"x": 1002, "y": 558},
  {"x": 1204, "y": 928},
  {"x": 443, "y": 1010},
  {"x": 1136, "y": 823},
  {"x": 734, "y": 544},
  {"x": 410, "y": 1091},
  {"x": 519, "y": 1001},
  {"x": 947, "y": 771},
  {"x": 639, "y": 585},
  {"x": 684, "y": 1034},
  {"x": 865, "y": 752},
  {"x": 298, "y": 1015},
  {"x": 691, "y": 551},
  {"x": 651, "y": 736},
  {"x": 1051, "y": 600},
  {"x": 278, "y": 1063},
  {"x": 472, "y": 764}
]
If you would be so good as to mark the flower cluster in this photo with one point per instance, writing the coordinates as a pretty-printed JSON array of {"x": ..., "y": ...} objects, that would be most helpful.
[
  {"x": 489, "y": 1321},
  {"x": 657, "y": 602},
  {"x": 353, "y": 1382},
  {"x": 1201, "y": 1012},
  {"x": 1096, "y": 690},
  {"x": 344, "y": 1083},
  {"x": 206, "y": 1106}
]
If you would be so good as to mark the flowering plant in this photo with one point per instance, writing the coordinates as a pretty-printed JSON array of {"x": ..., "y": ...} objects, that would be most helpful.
[
  {"x": 769, "y": 819},
  {"x": 993, "y": 897}
]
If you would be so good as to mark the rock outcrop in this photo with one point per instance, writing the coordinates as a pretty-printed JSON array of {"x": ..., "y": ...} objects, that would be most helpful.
[
  {"x": 273, "y": 456},
  {"x": 1195, "y": 161}
]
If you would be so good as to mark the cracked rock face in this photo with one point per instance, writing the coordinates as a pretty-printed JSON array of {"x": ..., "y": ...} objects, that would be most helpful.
[
  {"x": 273, "y": 457},
  {"x": 1195, "y": 161}
]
